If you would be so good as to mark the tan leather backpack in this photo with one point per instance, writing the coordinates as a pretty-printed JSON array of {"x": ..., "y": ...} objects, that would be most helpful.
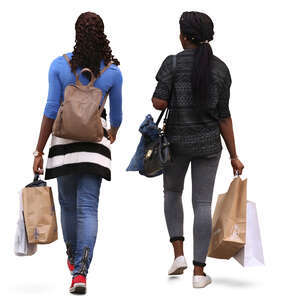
[{"x": 79, "y": 115}]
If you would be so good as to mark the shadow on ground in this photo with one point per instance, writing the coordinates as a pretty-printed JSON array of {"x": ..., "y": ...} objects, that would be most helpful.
[{"x": 233, "y": 282}]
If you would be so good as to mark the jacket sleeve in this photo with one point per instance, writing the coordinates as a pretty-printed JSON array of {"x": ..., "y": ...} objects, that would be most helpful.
[
  {"x": 54, "y": 92},
  {"x": 164, "y": 80},
  {"x": 223, "y": 103}
]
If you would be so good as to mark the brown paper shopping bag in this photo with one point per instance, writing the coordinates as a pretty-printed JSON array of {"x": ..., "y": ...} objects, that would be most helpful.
[
  {"x": 39, "y": 213},
  {"x": 229, "y": 221}
]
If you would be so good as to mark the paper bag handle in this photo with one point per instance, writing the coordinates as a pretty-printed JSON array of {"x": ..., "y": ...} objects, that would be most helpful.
[{"x": 36, "y": 176}]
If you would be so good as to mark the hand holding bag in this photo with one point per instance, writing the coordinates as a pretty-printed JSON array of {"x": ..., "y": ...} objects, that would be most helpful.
[{"x": 39, "y": 212}]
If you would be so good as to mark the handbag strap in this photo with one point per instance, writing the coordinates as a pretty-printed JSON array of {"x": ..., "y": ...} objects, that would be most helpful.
[{"x": 166, "y": 110}]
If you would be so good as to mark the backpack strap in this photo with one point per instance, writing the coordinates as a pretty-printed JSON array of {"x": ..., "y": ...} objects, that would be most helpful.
[
  {"x": 104, "y": 101},
  {"x": 69, "y": 62},
  {"x": 106, "y": 67},
  {"x": 107, "y": 94},
  {"x": 101, "y": 72},
  {"x": 67, "y": 59}
]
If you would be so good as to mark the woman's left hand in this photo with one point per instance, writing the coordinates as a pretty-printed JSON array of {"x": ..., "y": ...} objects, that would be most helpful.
[{"x": 38, "y": 165}]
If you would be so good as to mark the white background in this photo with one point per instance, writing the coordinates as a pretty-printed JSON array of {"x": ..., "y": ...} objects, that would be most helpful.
[{"x": 259, "y": 41}]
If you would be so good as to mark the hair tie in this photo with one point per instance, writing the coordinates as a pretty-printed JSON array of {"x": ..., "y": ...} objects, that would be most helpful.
[{"x": 201, "y": 42}]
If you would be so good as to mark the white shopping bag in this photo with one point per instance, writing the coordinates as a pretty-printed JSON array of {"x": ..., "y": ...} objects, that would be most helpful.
[
  {"x": 252, "y": 253},
  {"x": 22, "y": 248}
]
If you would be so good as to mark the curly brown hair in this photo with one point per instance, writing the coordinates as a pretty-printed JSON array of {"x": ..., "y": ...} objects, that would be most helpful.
[{"x": 91, "y": 44}]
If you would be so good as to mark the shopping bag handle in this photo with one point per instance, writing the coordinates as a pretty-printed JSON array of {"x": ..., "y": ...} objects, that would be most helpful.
[
  {"x": 236, "y": 174},
  {"x": 241, "y": 176},
  {"x": 36, "y": 177},
  {"x": 36, "y": 181}
]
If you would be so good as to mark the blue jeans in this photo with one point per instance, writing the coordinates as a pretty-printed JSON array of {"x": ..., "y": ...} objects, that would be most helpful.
[{"x": 78, "y": 197}]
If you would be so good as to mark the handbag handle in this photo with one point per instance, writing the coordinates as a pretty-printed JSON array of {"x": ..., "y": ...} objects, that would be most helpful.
[
  {"x": 160, "y": 117},
  {"x": 166, "y": 110}
]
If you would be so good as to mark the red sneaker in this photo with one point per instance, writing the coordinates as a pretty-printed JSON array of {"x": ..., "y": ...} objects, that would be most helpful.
[
  {"x": 78, "y": 285},
  {"x": 70, "y": 266}
]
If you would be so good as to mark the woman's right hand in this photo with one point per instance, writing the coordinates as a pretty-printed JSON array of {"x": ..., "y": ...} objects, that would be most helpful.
[
  {"x": 159, "y": 104},
  {"x": 237, "y": 166},
  {"x": 38, "y": 165}
]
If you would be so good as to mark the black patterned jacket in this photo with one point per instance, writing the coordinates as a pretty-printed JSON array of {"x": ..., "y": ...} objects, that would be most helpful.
[{"x": 200, "y": 135}]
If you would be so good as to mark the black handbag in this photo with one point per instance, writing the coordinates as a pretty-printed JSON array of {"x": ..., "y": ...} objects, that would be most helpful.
[{"x": 157, "y": 153}]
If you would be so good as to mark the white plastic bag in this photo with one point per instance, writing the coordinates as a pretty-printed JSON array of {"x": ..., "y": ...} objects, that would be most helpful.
[
  {"x": 252, "y": 253},
  {"x": 22, "y": 248}
]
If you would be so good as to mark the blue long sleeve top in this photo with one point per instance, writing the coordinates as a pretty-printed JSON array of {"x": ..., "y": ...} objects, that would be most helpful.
[{"x": 60, "y": 75}]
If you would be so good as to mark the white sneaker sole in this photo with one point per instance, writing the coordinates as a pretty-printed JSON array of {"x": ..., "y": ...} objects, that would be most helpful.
[
  {"x": 178, "y": 271},
  {"x": 198, "y": 285},
  {"x": 78, "y": 288}
]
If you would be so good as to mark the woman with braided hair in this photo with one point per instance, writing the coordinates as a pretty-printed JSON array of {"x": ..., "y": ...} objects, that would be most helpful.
[
  {"x": 80, "y": 166},
  {"x": 196, "y": 90}
]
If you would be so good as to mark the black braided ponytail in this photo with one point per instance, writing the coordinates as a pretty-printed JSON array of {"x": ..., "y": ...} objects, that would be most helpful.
[{"x": 198, "y": 28}]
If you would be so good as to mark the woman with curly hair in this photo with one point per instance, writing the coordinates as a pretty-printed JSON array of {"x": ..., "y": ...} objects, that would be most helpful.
[
  {"x": 80, "y": 166},
  {"x": 195, "y": 86}
]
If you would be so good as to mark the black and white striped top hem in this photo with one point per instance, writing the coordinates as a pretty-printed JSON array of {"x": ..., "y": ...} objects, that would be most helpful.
[{"x": 68, "y": 156}]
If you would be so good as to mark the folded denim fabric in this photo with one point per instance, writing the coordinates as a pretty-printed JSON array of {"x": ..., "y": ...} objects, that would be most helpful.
[{"x": 149, "y": 132}]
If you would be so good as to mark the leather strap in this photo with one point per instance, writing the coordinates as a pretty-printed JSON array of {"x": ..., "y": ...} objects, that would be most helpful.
[
  {"x": 104, "y": 101},
  {"x": 106, "y": 96},
  {"x": 106, "y": 67},
  {"x": 67, "y": 59},
  {"x": 101, "y": 72},
  {"x": 93, "y": 78}
]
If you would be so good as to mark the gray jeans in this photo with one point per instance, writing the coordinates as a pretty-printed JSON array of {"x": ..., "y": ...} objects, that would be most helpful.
[{"x": 203, "y": 179}]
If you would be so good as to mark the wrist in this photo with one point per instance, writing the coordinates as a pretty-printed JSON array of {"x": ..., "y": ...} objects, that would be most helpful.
[
  {"x": 234, "y": 157},
  {"x": 38, "y": 153},
  {"x": 114, "y": 130}
]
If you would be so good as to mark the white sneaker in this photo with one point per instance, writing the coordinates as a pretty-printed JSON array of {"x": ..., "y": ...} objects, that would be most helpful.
[
  {"x": 201, "y": 281},
  {"x": 178, "y": 266}
]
